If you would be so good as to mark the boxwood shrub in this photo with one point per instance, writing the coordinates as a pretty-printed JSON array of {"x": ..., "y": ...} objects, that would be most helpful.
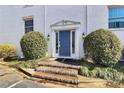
[
  {"x": 103, "y": 47},
  {"x": 7, "y": 50},
  {"x": 34, "y": 45}
]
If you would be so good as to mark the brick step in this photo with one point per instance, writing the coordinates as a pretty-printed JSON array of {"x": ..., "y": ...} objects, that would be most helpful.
[
  {"x": 56, "y": 77},
  {"x": 60, "y": 65},
  {"x": 56, "y": 70}
]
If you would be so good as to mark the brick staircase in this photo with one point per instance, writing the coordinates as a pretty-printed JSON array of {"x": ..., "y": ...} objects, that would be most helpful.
[
  {"x": 52, "y": 70},
  {"x": 62, "y": 74}
]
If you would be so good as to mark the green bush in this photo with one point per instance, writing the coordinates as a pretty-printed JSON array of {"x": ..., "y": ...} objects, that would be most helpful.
[
  {"x": 89, "y": 65},
  {"x": 106, "y": 73},
  {"x": 103, "y": 47},
  {"x": 96, "y": 72},
  {"x": 7, "y": 50},
  {"x": 84, "y": 71},
  {"x": 26, "y": 64},
  {"x": 34, "y": 45}
]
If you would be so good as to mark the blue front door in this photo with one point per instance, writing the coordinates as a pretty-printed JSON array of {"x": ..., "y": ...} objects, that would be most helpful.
[{"x": 64, "y": 38}]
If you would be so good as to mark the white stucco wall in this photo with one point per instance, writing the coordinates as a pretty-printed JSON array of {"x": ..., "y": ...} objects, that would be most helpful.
[
  {"x": 97, "y": 17},
  {"x": 120, "y": 34},
  {"x": 12, "y": 24},
  {"x": 73, "y": 13}
]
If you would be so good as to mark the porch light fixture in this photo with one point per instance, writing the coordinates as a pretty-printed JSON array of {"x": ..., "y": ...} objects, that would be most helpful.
[
  {"x": 83, "y": 35},
  {"x": 48, "y": 37}
]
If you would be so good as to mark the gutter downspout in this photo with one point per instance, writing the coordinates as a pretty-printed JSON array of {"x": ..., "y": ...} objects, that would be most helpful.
[
  {"x": 85, "y": 33},
  {"x": 44, "y": 20},
  {"x": 86, "y": 20}
]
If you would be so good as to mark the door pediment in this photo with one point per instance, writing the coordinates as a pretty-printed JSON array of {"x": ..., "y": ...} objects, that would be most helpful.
[{"x": 65, "y": 23}]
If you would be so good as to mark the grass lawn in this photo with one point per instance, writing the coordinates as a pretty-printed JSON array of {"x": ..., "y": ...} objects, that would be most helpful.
[{"x": 24, "y": 63}]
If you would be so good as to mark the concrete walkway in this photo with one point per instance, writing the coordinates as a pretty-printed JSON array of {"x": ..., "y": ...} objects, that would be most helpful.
[
  {"x": 10, "y": 79},
  {"x": 86, "y": 82}
]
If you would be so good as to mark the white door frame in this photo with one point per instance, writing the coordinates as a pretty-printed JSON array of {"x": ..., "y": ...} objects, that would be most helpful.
[
  {"x": 71, "y": 54},
  {"x": 62, "y": 28}
]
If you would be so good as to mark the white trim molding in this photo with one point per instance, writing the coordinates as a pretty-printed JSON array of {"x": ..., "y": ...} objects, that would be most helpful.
[
  {"x": 70, "y": 26},
  {"x": 65, "y": 25},
  {"x": 116, "y": 29}
]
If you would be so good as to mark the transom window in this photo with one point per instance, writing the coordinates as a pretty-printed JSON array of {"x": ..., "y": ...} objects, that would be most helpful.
[
  {"x": 28, "y": 25},
  {"x": 116, "y": 17}
]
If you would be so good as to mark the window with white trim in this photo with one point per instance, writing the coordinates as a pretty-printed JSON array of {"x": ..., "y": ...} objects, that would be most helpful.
[
  {"x": 116, "y": 17},
  {"x": 28, "y": 25}
]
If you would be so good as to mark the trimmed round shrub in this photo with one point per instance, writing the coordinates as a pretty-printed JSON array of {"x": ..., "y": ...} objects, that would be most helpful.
[
  {"x": 34, "y": 45},
  {"x": 7, "y": 50},
  {"x": 103, "y": 47}
]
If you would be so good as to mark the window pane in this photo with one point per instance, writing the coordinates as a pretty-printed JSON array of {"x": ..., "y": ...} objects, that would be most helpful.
[
  {"x": 117, "y": 25},
  {"x": 111, "y": 24},
  {"x": 121, "y": 24},
  {"x": 73, "y": 42},
  {"x": 116, "y": 12},
  {"x": 28, "y": 29},
  {"x": 57, "y": 48},
  {"x": 28, "y": 25},
  {"x": 116, "y": 17}
]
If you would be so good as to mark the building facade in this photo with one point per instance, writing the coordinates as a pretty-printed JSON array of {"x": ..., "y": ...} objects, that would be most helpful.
[{"x": 63, "y": 26}]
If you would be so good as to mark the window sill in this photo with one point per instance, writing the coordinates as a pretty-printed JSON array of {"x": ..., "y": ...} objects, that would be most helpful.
[{"x": 116, "y": 29}]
